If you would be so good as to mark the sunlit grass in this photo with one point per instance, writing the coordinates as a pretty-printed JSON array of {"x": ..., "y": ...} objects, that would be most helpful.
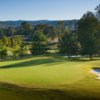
[{"x": 58, "y": 78}]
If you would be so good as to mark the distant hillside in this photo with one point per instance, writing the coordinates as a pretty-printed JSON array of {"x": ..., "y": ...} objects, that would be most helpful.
[{"x": 69, "y": 23}]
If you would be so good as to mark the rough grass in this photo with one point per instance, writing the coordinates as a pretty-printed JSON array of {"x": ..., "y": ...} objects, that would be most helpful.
[{"x": 48, "y": 78}]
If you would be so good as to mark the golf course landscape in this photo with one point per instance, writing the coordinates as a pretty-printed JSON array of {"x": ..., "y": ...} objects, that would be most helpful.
[
  {"x": 49, "y": 78},
  {"x": 50, "y": 50}
]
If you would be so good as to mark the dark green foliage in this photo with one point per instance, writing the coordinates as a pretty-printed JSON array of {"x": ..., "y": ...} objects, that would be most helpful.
[
  {"x": 26, "y": 26},
  {"x": 11, "y": 30},
  {"x": 88, "y": 34},
  {"x": 3, "y": 53},
  {"x": 46, "y": 29},
  {"x": 59, "y": 29},
  {"x": 39, "y": 43},
  {"x": 69, "y": 44},
  {"x": 25, "y": 29}
]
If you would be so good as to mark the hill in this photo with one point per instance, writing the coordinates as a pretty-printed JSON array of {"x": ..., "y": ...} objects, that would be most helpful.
[{"x": 69, "y": 23}]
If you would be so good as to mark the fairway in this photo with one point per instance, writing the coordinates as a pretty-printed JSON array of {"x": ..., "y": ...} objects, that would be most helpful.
[
  {"x": 50, "y": 77},
  {"x": 37, "y": 71}
]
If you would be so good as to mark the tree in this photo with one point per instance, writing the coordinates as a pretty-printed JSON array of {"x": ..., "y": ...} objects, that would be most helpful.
[
  {"x": 46, "y": 29},
  {"x": 87, "y": 34},
  {"x": 10, "y": 45},
  {"x": 17, "y": 46},
  {"x": 59, "y": 29},
  {"x": 98, "y": 12},
  {"x": 11, "y": 30},
  {"x": 4, "y": 46},
  {"x": 39, "y": 43},
  {"x": 2, "y": 51},
  {"x": 69, "y": 44},
  {"x": 26, "y": 28},
  {"x": 5, "y": 40}
]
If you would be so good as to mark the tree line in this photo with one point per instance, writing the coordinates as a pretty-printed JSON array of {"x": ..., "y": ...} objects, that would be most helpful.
[{"x": 85, "y": 40}]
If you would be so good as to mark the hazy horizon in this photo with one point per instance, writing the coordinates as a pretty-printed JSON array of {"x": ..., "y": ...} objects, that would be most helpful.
[{"x": 41, "y": 20}]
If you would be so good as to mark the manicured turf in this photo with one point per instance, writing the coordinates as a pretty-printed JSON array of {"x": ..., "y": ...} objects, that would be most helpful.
[
  {"x": 40, "y": 70},
  {"x": 51, "y": 79}
]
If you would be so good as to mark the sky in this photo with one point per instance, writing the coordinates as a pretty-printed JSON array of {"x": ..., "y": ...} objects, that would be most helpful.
[{"x": 45, "y": 9}]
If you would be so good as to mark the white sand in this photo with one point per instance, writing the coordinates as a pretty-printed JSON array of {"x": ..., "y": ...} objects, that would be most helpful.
[{"x": 96, "y": 72}]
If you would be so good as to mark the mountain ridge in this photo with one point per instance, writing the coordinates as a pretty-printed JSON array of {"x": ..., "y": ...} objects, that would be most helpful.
[{"x": 10, "y": 23}]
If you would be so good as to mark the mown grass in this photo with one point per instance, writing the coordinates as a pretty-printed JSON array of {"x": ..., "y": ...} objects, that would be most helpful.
[{"x": 48, "y": 78}]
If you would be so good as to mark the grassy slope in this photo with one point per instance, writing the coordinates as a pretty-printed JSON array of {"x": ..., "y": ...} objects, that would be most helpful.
[
  {"x": 40, "y": 70},
  {"x": 62, "y": 79}
]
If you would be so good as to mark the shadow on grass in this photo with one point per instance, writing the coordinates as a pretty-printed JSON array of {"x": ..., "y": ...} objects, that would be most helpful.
[
  {"x": 72, "y": 59},
  {"x": 32, "y": 63},
  {"x": 22, "y": 93},
  {"x": 17, "y": 59},
  {"x": 82, "y": 59},
  {"x": 45, "y": 61},
  {"x": 78, "y": 60}
]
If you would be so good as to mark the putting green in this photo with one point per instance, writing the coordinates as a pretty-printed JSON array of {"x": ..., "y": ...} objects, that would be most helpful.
[{"x": 41, "y": 70}]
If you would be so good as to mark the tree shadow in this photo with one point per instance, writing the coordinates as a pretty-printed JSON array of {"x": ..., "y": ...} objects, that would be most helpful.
[
  {"x": 44, "y": 61},
  {"x": 77, "y": 60},
  {"x": 46, "y": 93},
  {"x": 17, "y": 58},
  {"x": 33, "y": 63},
  {"x": 81, "y": 59}
]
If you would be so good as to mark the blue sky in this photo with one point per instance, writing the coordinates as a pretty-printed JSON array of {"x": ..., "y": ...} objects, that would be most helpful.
[{"x": 45, "y": 9}]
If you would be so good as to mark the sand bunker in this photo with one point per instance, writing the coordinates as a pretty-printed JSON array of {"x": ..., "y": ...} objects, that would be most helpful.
[{"x": 96, "y": 71}]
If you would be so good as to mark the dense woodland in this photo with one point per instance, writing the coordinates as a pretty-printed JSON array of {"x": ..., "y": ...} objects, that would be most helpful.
[{"x": 37, "y": 40}]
